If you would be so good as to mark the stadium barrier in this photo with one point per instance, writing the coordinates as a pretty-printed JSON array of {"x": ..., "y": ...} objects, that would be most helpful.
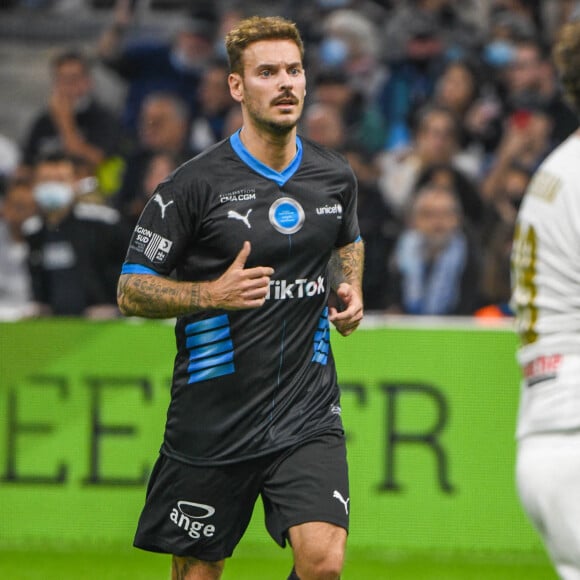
[{"x": 429, "y": 411}]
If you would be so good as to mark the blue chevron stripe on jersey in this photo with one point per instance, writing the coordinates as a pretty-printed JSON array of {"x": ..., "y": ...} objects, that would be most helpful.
[
  {"x": 322, "y": 339},
  {"x": 211, "y": 351}
]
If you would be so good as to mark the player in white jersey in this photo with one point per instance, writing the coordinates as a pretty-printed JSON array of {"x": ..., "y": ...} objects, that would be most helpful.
[{"x": 546, "y": 299}]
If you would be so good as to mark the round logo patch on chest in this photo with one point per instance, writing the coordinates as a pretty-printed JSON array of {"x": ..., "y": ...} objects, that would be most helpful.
[{"x": 286, "y": 215}]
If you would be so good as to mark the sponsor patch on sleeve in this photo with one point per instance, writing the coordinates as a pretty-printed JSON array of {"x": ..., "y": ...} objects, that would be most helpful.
[{"x": 154, "y": 246}]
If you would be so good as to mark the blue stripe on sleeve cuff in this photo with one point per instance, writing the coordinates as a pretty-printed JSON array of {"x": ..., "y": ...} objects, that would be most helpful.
[{"x": 138, "y": 269}]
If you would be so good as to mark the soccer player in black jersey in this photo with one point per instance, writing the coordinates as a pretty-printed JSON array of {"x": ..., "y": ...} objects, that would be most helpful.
[{"x": 254, "y": 247}]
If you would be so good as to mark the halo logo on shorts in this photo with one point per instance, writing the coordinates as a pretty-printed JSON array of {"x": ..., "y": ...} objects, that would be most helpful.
[
  {"x": 286, "y": 215},
  {"x": 186, "y": 516}
]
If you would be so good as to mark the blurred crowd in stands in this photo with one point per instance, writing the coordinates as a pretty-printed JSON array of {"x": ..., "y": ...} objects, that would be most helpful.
[{"x": 444, "y": 109}]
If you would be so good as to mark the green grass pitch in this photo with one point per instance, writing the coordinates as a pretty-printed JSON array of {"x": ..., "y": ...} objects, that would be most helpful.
[{"x": 259, "y": 563}]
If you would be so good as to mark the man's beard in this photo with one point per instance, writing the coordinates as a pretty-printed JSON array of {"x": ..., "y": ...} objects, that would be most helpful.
[{"x": 275, "y": 127}]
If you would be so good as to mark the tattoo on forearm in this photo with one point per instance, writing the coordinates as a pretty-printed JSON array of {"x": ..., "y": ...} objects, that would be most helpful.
[
  {"x": 157, "y": 297},
  {"x": 335, "y": 273},
  {"x": 346, "y": 265}
]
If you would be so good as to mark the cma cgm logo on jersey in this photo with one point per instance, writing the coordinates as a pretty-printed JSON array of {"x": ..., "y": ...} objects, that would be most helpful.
[{"x": 286, "y": 215}]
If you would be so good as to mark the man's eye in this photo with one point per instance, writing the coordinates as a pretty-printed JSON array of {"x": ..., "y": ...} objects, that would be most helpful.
[
  {"x": 265, "y": 73},
  {"x": 294, "y": 71}
]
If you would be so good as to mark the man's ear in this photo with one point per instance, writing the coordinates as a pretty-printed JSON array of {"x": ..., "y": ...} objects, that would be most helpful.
[{"x": 236, "y": 84}]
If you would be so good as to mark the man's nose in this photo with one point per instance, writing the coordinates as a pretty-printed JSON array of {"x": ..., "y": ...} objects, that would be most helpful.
[{"x": 286, "y": 80}]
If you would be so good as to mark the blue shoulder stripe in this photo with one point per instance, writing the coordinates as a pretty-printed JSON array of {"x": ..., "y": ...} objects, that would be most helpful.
[{"x": 138, "y": 269}]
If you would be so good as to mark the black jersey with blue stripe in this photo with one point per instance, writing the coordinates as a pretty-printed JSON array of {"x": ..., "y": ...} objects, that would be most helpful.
[{"x": 250, "y": 382}]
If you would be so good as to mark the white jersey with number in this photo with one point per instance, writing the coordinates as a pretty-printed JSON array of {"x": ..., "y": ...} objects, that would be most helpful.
[{"x": 546, "y": 294}]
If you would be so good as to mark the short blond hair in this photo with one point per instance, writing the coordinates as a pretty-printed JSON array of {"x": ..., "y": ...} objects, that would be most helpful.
[
  {"x": 258, "y": 28},
  {"x": 566, "y": 55}
]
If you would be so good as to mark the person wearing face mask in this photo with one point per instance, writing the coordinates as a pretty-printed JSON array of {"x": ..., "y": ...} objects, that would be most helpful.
[
  {"x": 156, "y": 65},
  {"x": 75, "y": 249},
  {"x": 73, "y": 121}
]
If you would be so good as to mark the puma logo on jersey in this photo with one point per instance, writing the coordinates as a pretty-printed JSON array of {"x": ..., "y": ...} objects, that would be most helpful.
[
  {"x": 337, "y": 495},
  {"x": 159, "y": 200},
  {"x": 232, "y": 214}
]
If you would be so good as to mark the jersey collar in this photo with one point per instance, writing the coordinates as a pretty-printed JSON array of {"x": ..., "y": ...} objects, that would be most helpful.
[{"x": 278, "y": 177}]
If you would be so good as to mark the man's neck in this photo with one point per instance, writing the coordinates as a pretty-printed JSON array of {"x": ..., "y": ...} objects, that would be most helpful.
[{"x": 274, "y": 151}]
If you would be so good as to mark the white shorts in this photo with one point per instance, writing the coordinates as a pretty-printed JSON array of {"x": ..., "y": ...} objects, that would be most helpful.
[
  {"x": 550, "y": 395},
  {"x": 548, "y": 482}
]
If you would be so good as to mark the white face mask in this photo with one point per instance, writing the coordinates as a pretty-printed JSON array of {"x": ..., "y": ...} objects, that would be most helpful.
[{"x": 52, "y": 195}]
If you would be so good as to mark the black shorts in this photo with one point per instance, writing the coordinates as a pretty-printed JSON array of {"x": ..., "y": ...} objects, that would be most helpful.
[{"x": 203, "y": 512}]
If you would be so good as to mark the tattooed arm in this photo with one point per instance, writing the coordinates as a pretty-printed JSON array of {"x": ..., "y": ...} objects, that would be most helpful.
[
  {"x": 152, "y": 296},
  {"x": 345, "y": 276}
]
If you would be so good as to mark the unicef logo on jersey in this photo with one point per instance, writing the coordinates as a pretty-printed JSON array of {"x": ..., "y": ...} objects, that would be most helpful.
[{"x": 286, "y": 215}]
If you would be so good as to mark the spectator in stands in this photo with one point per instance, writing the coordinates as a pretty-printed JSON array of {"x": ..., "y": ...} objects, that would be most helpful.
[
  {"x": 418, "y": 39},
  {"x": 74, "y": 121},
  {"x": 497, "y": 236},
  {"x": 215, "y": 102},
  {"x": 9, "y": 160},
  {"x": 158, "y": 167},
  {"x": 447, "y": 176},
  {"x": 457, "y": 87},
  {"x": 547, "y": 91},
  {"x": 435, "y": 143},
  {"x": 421, "y": 29},
  {"x": 529, "y": 81},
  {"x": 148, "y": 66},
  {"x": 435, "y": 268},
  {"x": 362, "y": 120},
  {"x": 522, "y": 17},
  {"x": 75, "y": 250},
  {"x": 379, "y": 227},
  {"x": 163, "y": 128},
  {"x": 526, "y": 141},
  {"x": 15, "y": 289},
  {"x": 350, "y": 43},
  {"x": 462, "y": 90},
  {"x": 324, "y": 124}
]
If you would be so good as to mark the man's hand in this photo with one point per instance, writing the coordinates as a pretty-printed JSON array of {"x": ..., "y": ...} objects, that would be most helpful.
[
  {"x": 61, "y": 109},
  {"x": 159, "y": 297},
  {"x": 240, "y": 287},
  {"x": 347, "y": 319}
]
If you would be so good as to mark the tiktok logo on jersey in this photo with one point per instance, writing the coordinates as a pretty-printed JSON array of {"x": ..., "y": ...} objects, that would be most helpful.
[
  {"x": 187, "y": 515},
  {"x": 301, "y": 288}
]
